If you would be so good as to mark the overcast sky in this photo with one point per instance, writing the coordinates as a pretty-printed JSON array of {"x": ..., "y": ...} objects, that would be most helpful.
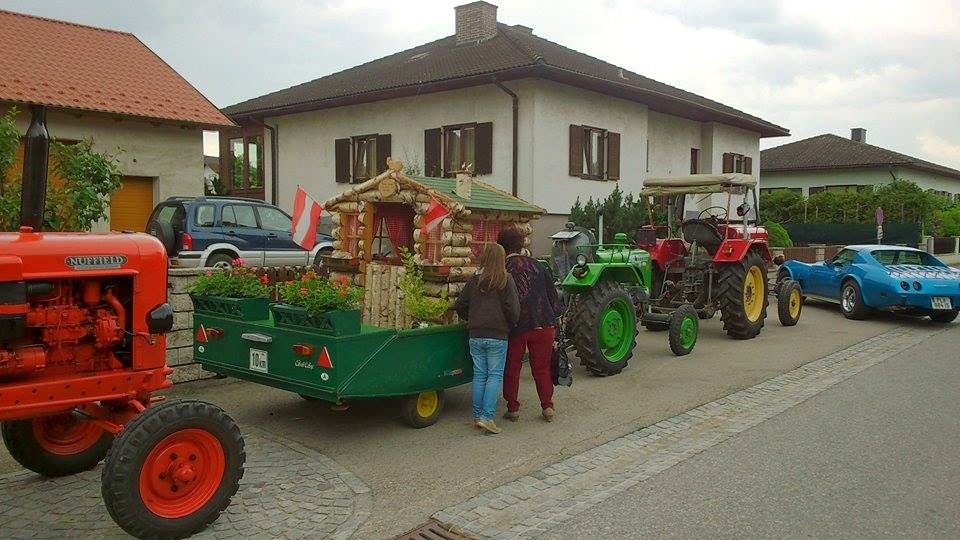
[{"x": 813, "y": 66}]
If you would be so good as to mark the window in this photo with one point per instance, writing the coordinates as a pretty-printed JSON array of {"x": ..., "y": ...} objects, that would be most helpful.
[
  {"x": 484, "y": 232},
  {"x": 361, "y": 157},
  {"x": 273, "y": 219},
  {"x": 254, "y": 162},
  {"x": 765, "y": 191},
  {"x": 694, "y": 160},
  {"x": 246, "y": 162},
  {"x": 392, "y": 231},
  {"x": 173, "y": 214},
  {"x": 844, "y": 257},
  {"x": 846, "y": 188},
  {"x": 432, "y": 251},
  {"x": 594, "y": 153},
  {"x": 449, "y": 149},
  {"x": 737, "y": 163},
  {"x": 239, "y": 216},
  {"x": 350, "y": 233},
  {"x": 236, "y": 156},
  {"x": 204, "y": 216}
]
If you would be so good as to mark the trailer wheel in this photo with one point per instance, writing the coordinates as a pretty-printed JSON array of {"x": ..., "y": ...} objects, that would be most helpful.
[
  {"x": 423, "y": 409},
  {"x": 789, "y": 302},
  {"x": 684, "y": 326},
  {"x": 173, "y": 469},
  {"x": 58, "y": 445}
]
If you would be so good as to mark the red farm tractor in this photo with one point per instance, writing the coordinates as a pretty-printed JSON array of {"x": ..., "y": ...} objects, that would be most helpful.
[
  {"x": 82, "y": 350},
  {"x": 719, "y": 260}
]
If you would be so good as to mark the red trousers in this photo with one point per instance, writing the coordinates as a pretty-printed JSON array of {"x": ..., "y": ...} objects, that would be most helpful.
[{"x": 540, "y": 344}]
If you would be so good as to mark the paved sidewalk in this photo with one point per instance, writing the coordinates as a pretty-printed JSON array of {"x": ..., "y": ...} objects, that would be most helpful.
[
  {"x": 549, "y": 497},
  {"x": 287, "y": 491}
]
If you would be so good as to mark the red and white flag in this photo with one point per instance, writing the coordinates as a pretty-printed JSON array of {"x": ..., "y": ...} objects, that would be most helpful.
[
  {"x": 306, "y": 215},
  {"x": 435, "y": 214}
]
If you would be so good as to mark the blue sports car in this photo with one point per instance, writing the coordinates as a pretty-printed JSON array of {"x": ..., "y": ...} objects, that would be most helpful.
[{"x": 890, "y": 278}]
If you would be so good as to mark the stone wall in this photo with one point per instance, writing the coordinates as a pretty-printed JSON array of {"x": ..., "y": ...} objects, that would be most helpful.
[{"x": 180, "y": 339}]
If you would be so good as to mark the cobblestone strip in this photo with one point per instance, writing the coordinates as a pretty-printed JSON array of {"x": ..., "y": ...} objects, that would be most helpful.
[
  {"x": 288, "y": 490},
  {"x": 534, "y": 503}
]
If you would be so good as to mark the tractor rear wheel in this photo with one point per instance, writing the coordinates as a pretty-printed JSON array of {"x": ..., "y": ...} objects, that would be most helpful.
[
  {"x": 605, "y": 328},
  {"x": 58, "y": 445},
  {"x": 173, "y": 469},
  {"x": 742, "y": 294}
]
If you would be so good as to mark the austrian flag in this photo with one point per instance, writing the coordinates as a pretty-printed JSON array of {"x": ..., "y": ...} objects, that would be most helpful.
[
  {"x": 435, "y": 214},
  {"x": 306, "y": 215}
]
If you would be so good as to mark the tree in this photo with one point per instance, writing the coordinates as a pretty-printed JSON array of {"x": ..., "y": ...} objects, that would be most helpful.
[
  {"x": 620, "y": 213},
  {"x": 78, "y": 191},
  {"x": 782, "y": 206}
]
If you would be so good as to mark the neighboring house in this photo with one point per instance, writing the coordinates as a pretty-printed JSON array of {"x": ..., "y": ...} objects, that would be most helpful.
[
  {"x": 531, "y": 117},
  {"x": 109, "y": 86},
  {"x": 211, "y": 172},
  {"x": 834, "y": 163}
]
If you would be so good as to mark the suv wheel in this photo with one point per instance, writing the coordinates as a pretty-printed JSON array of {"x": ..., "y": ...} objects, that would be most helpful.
[{"x": 220, "y": 260}]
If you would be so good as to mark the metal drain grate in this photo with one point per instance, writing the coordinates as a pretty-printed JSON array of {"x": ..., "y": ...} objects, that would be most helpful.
[{"x": 432, "y": 530}]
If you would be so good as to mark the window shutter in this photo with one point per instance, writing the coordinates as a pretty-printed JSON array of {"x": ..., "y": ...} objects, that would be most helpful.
[
  {"x": 342, "y": 158},
  {"x": 747, "y": 165},
  {"x": 728, "y": 162},
  {"x": 383, "y": 152},
  {"x": 613, "y": 156},
  {"x": 431, "y": 152},
  {"x": 576, "y": 150},
  {"x": 483, "y": 148}
]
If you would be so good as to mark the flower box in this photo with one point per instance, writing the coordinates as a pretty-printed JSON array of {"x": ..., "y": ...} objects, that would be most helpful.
[
  {"x": 333, "y": 323},
  {"x": 251, "y": 309}
]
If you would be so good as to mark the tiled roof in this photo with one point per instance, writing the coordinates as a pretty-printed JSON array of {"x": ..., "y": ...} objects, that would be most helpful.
[
  {"x": 483, "y": 196},
  {"x": 62, "y": 64},
  {"x": 834, "y": 152},
  {"x": 512, "y": 53}
]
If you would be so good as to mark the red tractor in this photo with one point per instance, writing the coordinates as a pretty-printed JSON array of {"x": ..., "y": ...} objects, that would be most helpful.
[
  {"x": 82, "y": 351},
  {"x": 719, "y": 261}
]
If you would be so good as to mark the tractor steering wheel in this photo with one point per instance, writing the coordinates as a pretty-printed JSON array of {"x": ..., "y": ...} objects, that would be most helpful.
[{"x": 707, "y": 211}]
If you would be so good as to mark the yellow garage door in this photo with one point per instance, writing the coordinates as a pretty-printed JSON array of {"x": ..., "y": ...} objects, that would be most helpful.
[{"x": 130, "y": 206}]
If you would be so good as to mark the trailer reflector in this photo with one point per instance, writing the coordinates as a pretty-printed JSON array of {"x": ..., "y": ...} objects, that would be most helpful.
[
  {"x": 324, "y": 360},
  {"x": 303, "y": 350}
]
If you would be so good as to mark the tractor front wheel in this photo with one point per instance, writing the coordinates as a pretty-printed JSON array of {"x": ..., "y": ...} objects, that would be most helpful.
[
  {"x": 789, "y": 302},
  {"x": 57, "y": 445},
  {"x": 684, "y": 327},
  {"x": 742, "y": 294},
  {"x": 605, "y": 328},
  {"x": 173, "y": 469}
]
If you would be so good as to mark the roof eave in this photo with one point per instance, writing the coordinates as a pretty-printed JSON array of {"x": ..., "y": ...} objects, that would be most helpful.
[{"x": 141, "y": 118}]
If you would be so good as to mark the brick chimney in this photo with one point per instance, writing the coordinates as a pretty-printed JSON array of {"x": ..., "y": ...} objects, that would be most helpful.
[
  {"x": 858, "y": 134},
  {"x": 476, "y": 21}
]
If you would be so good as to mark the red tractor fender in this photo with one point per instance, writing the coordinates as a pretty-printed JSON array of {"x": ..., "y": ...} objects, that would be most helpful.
[
  {"x": 666, "y": 251},
  {"x": 735, "y": 249}
]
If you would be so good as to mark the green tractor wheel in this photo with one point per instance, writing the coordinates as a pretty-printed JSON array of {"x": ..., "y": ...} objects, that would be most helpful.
[
  {"x": 684, "y": 327},
  {"x": 605, "y": 328}
]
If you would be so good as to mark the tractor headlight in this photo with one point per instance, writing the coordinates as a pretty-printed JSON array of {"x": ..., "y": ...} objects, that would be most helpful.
[{"x": 581, "y": 259}]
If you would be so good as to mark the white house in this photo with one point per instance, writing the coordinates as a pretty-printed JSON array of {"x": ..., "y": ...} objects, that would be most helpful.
[
  {"x": 834, "y": 163},
  {"x": 109, "y": 86},
  {"x": 531, "y": 117}
]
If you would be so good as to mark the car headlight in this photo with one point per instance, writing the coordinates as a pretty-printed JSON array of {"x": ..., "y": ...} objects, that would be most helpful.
[{"x": 581, "y": 259}]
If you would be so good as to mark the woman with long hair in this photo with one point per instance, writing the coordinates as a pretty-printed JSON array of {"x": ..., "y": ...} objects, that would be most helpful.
[{"x": 489, "y": 304}]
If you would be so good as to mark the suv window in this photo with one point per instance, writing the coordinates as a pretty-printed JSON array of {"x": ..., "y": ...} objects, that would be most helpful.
[
  {"x": 273, "y": 219},
  {"x": 204, "y": 216},
  {"x": 173, "y": 214},
  {"x": 239, "y": 216}
]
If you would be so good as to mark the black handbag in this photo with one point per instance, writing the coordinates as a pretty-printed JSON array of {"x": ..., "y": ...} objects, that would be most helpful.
[{"x": 560, "y": 369}]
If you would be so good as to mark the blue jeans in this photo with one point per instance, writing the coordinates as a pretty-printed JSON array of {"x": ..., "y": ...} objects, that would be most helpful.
[{"x": 489, "y": 356}]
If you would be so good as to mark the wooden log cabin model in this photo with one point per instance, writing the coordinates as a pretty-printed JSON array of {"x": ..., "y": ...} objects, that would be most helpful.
[{"x": 373, "y": 220}]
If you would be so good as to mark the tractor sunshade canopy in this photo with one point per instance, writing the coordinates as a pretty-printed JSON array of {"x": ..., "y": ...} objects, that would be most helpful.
[{"x": 695, "y": 183}]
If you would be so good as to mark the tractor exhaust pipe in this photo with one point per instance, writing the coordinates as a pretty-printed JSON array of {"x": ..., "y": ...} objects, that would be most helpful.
[{"x": 35, "y": 153}]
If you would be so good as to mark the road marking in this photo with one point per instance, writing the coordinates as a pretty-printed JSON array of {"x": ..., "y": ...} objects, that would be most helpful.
[{"x": 539, "y": 501}]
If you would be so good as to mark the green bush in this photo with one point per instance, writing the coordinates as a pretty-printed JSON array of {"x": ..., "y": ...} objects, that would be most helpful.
[
  {"x": 779, "y": 237},
  {"x": 422, "y": 308},
  {"x": 620, "y": 213},
  {"x": 236, "y": 282},
  {"x": 319, "y": 294}
]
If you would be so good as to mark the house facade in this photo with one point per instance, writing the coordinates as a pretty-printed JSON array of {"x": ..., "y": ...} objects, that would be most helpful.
[
  {"x": 108, "y": 86},
  {"x": 528, "y": 116},
  {"x": 833, "y": 163}
]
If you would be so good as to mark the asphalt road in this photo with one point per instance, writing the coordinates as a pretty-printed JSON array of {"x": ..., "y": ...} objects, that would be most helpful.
[{"x": 874, "y": 456}]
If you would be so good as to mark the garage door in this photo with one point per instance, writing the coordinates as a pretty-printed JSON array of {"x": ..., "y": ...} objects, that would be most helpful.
[{"x": 130, "y": 206}]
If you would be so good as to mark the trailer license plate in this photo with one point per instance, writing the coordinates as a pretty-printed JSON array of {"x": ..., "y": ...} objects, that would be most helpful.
[
  {"x": 941, "y": 302},
  {"x": 258, "y": 360}
]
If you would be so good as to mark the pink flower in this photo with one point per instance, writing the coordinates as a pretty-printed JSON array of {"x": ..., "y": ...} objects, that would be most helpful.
[
  {"x": 238, "y": 262},
  {"x": 304, "y": 291},
  {"x": 209, "y": 273},
  {"x": 265, "y": 279}
]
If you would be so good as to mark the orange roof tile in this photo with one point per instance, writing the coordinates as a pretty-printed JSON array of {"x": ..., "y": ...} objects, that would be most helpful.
[{"x": 62, "y": 64}]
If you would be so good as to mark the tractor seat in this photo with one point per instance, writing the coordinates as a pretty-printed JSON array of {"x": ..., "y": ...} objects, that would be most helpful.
[{"x": 703, "y": 233}]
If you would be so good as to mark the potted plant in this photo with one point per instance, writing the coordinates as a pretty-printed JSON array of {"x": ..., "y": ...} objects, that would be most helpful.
[
  {"x": 237, "y": 293},
  {"x": 324, "y": 305},
  {"x": 424, "y": 310}
]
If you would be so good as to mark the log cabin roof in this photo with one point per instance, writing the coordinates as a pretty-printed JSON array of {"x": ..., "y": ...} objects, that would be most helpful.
[{"x": 483, "y": 196}]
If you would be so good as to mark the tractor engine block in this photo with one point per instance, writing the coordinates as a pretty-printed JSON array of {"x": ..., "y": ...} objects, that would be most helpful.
[{"x": 68, "y": 326}]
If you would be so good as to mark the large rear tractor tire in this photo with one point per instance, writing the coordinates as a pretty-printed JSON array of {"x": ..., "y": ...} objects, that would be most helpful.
[
  {"x": 58, "y": 445},
  {"x": 173, "y": 469},
  {"x": 789, "y": 302},
  {"x": 605, "y": 328},
  {"x": 742, "y": 294}
]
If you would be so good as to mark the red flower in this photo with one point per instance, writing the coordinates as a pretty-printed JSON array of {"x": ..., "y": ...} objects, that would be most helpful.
[
  {"x": 265, "y": 279},
  {"x": 209, "y": 273},
  {"x": 304, "y": 291},
  {"x": 238, "y": 262},
  {"x": 344, "y": 291}
]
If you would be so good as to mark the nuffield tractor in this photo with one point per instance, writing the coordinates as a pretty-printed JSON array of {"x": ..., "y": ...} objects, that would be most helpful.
[
  {"x": 718, "y": 263},
  {"x": 82, "y": 351}
]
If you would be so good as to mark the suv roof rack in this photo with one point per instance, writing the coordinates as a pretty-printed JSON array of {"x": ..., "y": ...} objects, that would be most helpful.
[{"x": 217, "y": 198}]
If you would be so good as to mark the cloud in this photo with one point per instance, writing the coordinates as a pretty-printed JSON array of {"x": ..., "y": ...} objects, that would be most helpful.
[{"x": 937, "y": 149}]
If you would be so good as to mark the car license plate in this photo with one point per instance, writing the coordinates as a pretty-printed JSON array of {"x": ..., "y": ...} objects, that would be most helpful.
[
  {"x": 258, "y": 360},
  {"x": 941, "y": 302}
]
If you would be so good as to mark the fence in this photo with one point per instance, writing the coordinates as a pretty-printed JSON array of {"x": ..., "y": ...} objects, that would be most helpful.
[
  {"x": 852, "y": 233},
  {"x": 810, "y": 254},
  {"x": 944, "y": 244}
]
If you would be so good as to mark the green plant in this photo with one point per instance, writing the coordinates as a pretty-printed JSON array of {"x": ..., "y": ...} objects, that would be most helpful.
[
  {"x": 782, "y": 206},
  {"x": 237, "y": 282},
  {"x": 779, "y": 237},
  {"x": 418, "y": 305},
  {"x": 9, "y": 142},
  {"x": 214, "y": 186},
  {"x": 620, "y": 213},
  {"x": 318, "y": 294}
]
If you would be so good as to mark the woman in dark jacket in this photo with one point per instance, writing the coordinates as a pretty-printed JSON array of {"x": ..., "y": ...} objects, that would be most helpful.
[{"x": 535, "y": 329}]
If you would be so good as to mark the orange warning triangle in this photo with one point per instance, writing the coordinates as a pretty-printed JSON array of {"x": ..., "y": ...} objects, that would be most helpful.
[
  {"x": 201, "y": 334},
  {"x": 324, "y": 360}
]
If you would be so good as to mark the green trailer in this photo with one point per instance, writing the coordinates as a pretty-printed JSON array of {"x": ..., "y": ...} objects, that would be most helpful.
[{"x": 341, "y": 361}]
